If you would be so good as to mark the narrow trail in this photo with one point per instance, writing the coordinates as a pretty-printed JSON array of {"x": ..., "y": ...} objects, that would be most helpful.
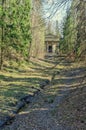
[{"x": 39, "y": 114}]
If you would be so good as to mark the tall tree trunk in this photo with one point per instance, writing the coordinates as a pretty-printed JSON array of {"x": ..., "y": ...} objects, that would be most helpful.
[{"x": 2, "y": 37}]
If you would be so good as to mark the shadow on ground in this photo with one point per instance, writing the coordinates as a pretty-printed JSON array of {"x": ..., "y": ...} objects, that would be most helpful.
[{"x": 64, "y": 77}]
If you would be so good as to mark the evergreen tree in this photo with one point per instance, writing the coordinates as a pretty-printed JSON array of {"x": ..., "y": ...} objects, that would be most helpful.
[
  {"x": 74, "y": 33},
  {"x": 15, "y": 36}
]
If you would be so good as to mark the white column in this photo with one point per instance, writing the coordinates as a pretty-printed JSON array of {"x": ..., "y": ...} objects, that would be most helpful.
[
  {"x": 47, "y": 47},
  {"x": 54, "y": 48}
]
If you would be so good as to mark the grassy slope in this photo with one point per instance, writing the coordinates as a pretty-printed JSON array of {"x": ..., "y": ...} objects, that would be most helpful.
[{"x": 17, "y": 81}]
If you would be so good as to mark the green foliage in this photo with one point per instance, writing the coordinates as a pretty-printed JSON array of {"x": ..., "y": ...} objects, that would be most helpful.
[
  {"x": 74, "y": 30},
  {"x": 67, "y": 43},
  {"x": 15, "y": 26}
]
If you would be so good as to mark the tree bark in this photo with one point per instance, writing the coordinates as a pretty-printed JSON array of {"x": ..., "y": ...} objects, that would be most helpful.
[{"x": 2, "y": 38}]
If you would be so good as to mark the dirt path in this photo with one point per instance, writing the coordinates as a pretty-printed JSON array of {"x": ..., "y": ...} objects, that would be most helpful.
[{"x": 39, "y": 114}]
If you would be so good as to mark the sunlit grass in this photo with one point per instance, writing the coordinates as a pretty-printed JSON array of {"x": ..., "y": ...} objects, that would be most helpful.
[{"x": 17, "y": 80}]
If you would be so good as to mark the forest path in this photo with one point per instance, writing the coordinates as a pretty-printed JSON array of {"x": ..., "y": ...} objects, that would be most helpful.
[{"x": 39, "y": 115}]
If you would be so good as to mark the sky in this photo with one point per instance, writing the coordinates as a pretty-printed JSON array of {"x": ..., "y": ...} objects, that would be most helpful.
[{"x": 52, "y": 13}]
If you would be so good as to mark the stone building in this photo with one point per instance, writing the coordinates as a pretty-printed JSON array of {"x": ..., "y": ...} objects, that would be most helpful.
[{"x": 51, "y": 44}]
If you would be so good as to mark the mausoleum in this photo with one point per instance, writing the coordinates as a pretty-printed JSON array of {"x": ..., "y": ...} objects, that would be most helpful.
[{"x": 51, "y": 44}]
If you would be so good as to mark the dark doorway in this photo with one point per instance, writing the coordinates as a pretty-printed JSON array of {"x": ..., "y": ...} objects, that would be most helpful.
[{"x": 50, "y": 48}]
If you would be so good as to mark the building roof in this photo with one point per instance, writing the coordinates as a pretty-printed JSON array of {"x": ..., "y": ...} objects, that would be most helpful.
[{"x": 51, "y": 37}]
